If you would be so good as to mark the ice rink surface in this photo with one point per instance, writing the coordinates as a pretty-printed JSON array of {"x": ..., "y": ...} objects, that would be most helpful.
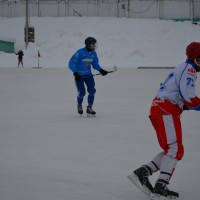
[{"x": 48, "y": 152}]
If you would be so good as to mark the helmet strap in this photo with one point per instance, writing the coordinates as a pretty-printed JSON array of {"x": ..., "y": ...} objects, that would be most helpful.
[
  {"x": 196, "y": 63},
  {"x": 88, "y": 49}
]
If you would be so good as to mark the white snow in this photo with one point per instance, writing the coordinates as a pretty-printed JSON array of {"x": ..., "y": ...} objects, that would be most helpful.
[
  {"x": 47, "y": 151},
  {"x": 122, "y": 42}
]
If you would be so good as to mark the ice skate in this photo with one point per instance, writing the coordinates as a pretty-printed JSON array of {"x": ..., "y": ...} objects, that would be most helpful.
[
  {"x": 160, "y": 191},
  {"x": 90, "y": 112},
  {"x": 140, "y": 178},
  {"x": 80, "y": 110}
]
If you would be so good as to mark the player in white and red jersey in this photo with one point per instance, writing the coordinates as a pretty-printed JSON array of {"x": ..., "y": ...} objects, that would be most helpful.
[{"x": 176, "y": 93}]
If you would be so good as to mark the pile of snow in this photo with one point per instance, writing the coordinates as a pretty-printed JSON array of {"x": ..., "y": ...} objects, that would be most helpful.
[{"x": 121, "y": 41}]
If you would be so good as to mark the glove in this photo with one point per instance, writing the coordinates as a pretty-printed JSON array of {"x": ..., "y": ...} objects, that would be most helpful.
[
  {"x": 103, "y": 72},
  {"x": 185, "y": 107},
  {"x": 77, "y": 76}
]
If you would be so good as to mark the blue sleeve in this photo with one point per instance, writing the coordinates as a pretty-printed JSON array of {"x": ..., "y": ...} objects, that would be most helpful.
[
  {"x": 95, "y": 63},
  {"x": 73, "y": 62},
  {"x": 196, "y": 108}
]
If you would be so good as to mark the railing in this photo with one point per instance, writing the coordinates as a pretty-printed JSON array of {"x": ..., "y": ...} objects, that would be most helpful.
[{"x": 160, "y": 9}]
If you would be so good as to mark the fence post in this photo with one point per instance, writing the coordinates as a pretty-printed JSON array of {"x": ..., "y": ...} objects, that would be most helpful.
[{"x": 192, "y": 10}]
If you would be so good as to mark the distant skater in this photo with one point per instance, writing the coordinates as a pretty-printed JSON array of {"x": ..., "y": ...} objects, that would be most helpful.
[
  {"x": 80, "y": 64},
  {"x": 20, "y": 58}
]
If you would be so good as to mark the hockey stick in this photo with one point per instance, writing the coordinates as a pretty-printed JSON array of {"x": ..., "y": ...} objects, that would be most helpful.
[{"x": 114, "y": 70}]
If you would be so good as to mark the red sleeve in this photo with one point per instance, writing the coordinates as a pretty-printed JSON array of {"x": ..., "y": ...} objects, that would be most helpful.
[{"x": 194, "y": 102}]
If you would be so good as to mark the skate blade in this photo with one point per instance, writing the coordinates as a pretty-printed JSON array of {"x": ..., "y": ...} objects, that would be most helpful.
[
  {"x": 171, "y": 197},
  {"x": 135, "y": 180},
  {"x": 154, "y": 196},
  {"x": 90, "y": 115}
]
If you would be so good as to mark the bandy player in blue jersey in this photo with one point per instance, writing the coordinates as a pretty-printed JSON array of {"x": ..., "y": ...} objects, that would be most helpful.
[
  {"x": 80, "y": 64},
  {"x": 176, "y": 93}
]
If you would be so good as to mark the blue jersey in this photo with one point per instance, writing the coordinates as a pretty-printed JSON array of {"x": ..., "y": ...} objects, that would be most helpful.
[{"x": 82, "y": 61}]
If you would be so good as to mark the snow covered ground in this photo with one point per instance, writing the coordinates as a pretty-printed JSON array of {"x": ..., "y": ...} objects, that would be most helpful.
[
  {"x": 122, "y": 42},
  {"x": 48, "y": 152}
]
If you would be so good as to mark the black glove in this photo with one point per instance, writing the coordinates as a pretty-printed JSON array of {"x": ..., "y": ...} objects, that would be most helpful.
[
  {"x": 185, "y": 107},
  {"x": 103, "y": 72},
  {"x": 77, "y": 76}
]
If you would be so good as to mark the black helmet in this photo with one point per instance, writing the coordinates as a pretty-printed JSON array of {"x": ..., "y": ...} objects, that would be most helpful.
[{"x": 89, "y": 41}]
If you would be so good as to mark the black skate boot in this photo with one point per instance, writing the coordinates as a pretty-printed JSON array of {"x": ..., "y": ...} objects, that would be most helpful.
[
  {"x": 80, "y": 109},
  {"x": 140, "y": 179},
  {"x": 161, "y": 189},
  {"x": 143, "y": 173},
  {"x": 90, "y": 111}
]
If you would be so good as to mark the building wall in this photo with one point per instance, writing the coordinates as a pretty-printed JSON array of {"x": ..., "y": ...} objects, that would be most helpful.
[{"x": 161, "y": 9}]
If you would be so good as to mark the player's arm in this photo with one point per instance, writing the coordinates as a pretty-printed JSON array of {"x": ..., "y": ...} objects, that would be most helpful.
[
  {"x": 95, "y": 65},
  {"x": 73, "y": 62},
  {"x": 187, "y": 89}
]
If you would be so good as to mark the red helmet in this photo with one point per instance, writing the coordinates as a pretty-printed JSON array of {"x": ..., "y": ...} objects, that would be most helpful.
[{"x": 193, "y": 51}]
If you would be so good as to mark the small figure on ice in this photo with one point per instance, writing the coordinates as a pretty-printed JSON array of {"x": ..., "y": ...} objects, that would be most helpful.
[
  {"x": 80, "y": 64},
  {"x": 20, "y": 57},
  {"x": 176, "y": 94}
]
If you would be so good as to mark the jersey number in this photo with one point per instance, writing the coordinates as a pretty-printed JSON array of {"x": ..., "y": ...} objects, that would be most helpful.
[{"x": 190, "y": 81}]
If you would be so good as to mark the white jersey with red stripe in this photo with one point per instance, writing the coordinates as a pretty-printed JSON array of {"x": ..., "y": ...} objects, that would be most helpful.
[{"x": 179, "y": 86}]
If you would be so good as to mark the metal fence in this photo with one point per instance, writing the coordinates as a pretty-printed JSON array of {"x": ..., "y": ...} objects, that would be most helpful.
[{"x": 161, "y": 9}]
